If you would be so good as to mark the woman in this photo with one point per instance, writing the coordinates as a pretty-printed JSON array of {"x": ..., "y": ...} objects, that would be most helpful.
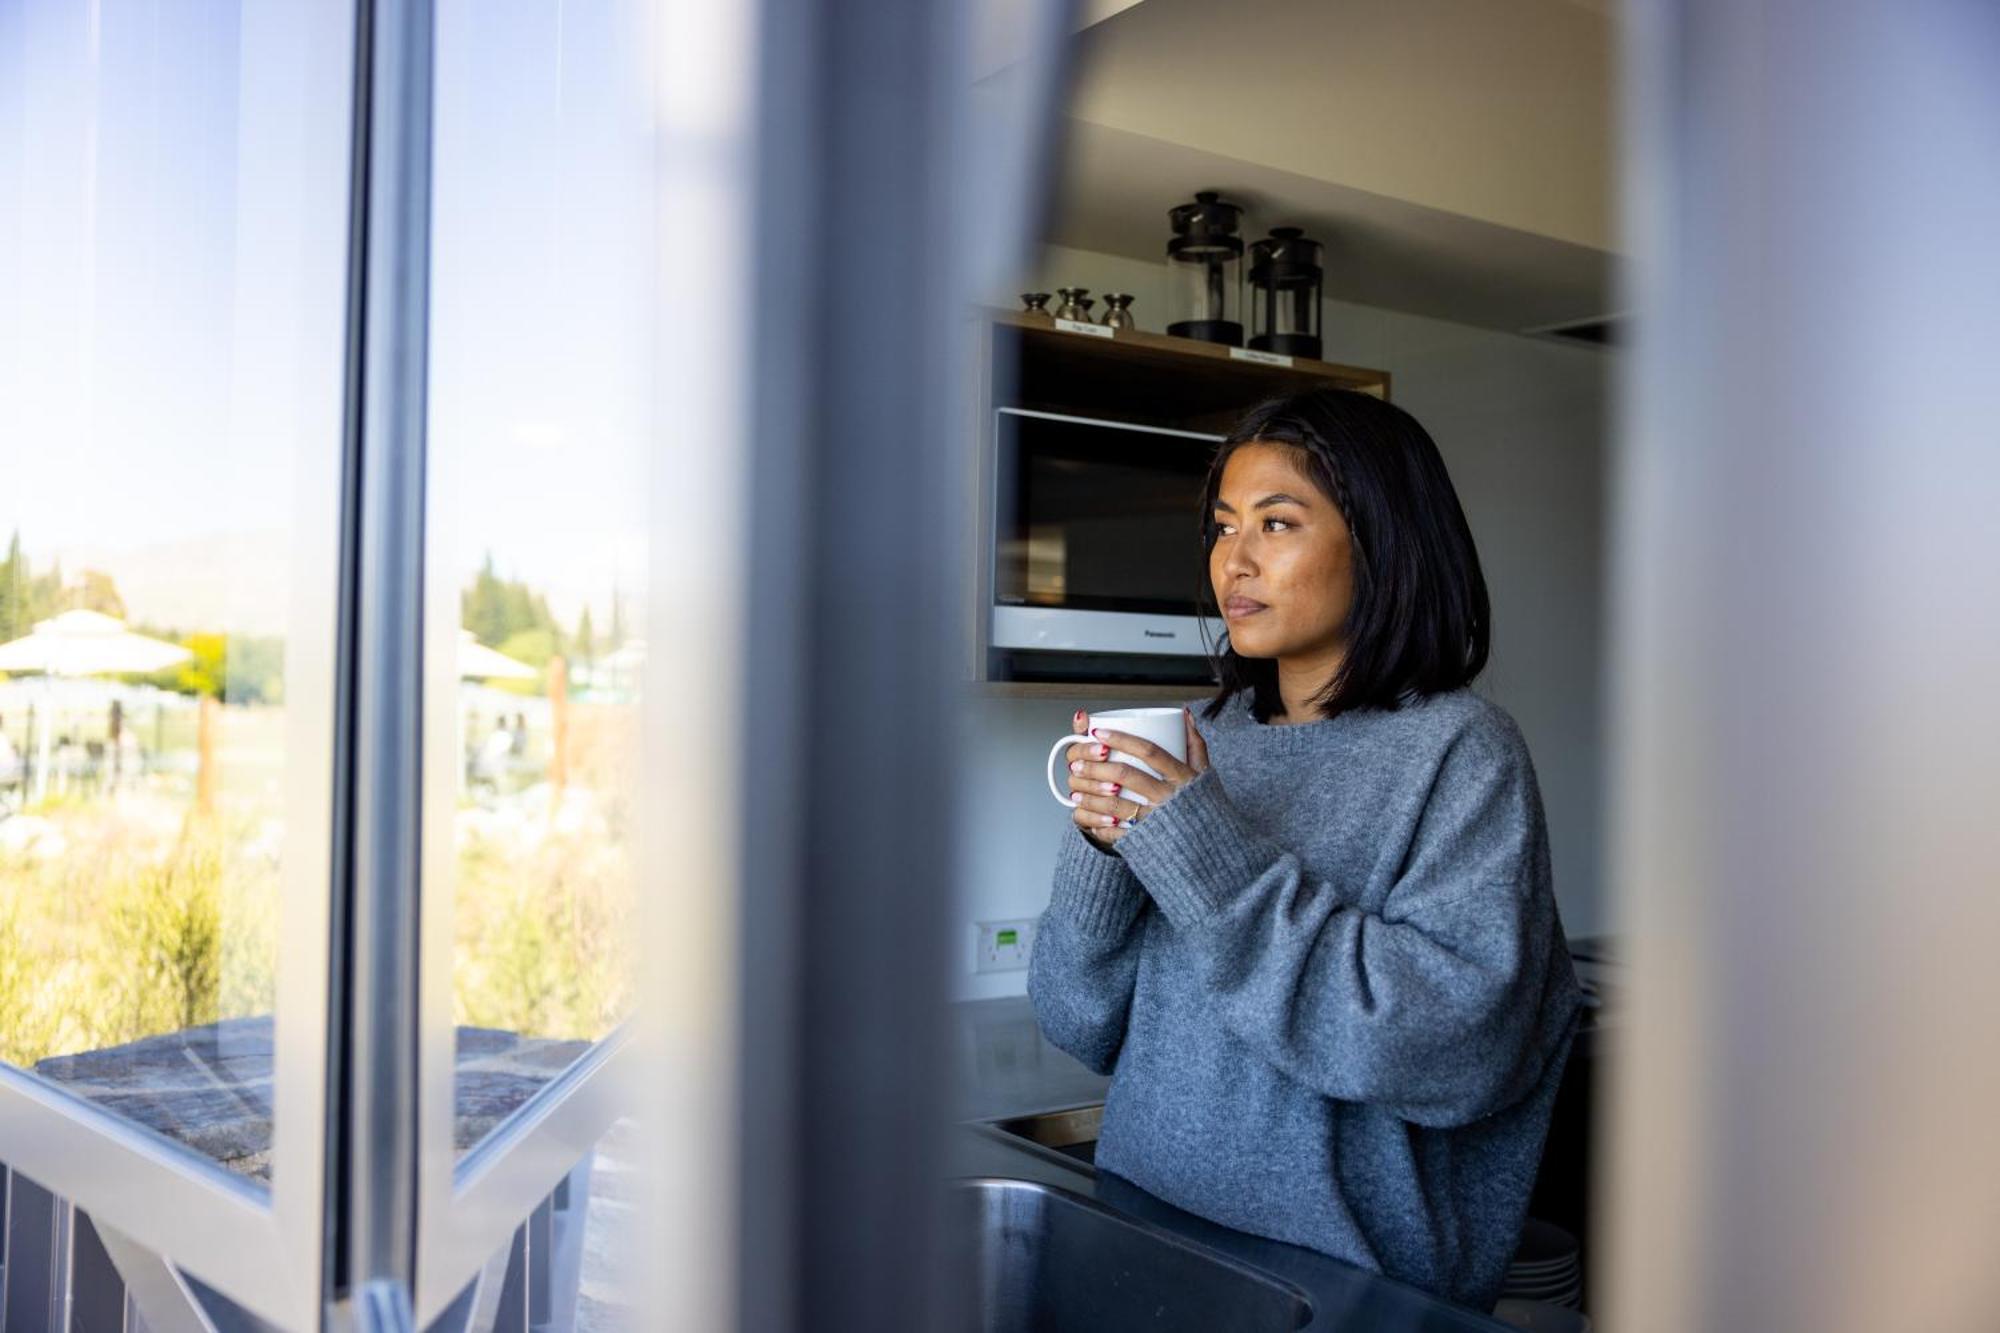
[{"x": 1322, "y": 962}]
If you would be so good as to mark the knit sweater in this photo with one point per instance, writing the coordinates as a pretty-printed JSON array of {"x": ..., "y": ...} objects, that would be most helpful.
[{"x": 1328, "y": 980}]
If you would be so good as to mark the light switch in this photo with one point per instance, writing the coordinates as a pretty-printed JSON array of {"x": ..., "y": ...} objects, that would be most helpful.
[{"x": 1004, "y": 945}]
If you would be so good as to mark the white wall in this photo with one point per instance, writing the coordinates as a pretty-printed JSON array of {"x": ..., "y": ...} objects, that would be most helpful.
[{"x": 1522, "y": 425}]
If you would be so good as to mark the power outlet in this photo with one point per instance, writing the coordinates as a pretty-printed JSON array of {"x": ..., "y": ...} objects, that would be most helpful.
[{"x": 1004, "y": 945}]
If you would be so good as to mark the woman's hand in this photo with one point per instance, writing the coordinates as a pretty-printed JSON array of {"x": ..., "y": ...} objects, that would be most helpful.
[{"x": 1099, "y": 787}]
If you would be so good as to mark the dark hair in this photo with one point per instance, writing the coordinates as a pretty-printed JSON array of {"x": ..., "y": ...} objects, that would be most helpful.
[{"x": 1420, "y": 623}]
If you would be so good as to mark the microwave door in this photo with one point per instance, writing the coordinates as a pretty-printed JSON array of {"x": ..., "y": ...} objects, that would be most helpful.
[
  {"x": 1042, "y": 629},
  {"x": 1098, "y": 537}
]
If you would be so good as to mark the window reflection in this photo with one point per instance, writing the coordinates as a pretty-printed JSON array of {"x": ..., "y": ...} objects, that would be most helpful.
[
  {"x": 172, "y": 247},
  {"x": 540, "y": 421}
]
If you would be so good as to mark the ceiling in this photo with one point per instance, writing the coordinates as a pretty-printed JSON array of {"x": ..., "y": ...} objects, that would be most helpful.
[{"x": 1455, "y": 156}]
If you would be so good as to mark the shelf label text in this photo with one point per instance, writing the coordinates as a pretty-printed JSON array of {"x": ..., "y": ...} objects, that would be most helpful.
[
  {"x": 1261, "y": 358},
  {"x": 1097, "y": 330}
]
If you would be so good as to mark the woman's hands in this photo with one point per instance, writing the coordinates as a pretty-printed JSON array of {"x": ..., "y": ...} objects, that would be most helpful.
[{"x": 1099, "y": 788}]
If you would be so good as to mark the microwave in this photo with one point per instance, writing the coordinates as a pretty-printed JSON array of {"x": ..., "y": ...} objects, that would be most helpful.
[{"x": 1098, "y": 570}]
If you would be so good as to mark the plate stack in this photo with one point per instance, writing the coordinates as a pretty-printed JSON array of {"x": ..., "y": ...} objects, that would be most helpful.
[{"x": 1547, "y": 1267}]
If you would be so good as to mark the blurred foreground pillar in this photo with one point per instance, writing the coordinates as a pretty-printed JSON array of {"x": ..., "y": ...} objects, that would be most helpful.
[{"x": 1807, "y": 607}]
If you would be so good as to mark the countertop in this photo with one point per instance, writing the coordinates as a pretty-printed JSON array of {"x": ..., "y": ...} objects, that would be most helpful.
[{"x": 1006, "y": 1068}]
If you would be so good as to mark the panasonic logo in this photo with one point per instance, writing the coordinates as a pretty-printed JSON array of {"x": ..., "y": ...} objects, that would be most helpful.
[{"x": 1161, "y": 634}]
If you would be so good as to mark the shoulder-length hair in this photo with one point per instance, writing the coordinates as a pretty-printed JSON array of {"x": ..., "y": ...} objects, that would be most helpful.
[{"x": 1420, "y": 622}]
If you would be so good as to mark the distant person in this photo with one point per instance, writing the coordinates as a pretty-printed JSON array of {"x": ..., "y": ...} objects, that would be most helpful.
[
  {"x": 520, "y": 734},
  {"x": 115, "y": 747},
  {"x": 1323, "y": 964},
  {"x": 491, "y": 761}
]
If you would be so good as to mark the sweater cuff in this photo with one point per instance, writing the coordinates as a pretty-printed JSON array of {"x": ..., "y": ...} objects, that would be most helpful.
[
  {"x": 1095, "y": 891},
  {"x": 1195, "y": 852}
]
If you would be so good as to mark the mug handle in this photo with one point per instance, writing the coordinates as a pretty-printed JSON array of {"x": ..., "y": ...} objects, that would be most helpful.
[{"x": 1048, "y": 765}]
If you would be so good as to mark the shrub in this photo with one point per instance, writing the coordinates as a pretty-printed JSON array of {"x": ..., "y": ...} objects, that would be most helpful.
[{"x": 160, "y": 958}]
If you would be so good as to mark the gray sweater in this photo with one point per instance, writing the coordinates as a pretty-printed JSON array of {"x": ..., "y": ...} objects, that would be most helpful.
[{"x": 1329, "y": 982}]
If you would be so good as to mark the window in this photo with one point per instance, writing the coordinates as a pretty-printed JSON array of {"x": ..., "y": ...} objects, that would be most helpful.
[{"x": 173, "y": 242}]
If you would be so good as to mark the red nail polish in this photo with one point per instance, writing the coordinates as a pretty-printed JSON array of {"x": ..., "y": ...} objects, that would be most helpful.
[
  {"x": 1103, "y": 752},
  {"x": 1116, "y": 787},
  {"x": 1097, "y": 732}
]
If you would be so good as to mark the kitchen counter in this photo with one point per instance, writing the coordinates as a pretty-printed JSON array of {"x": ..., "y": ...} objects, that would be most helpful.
[{"x": 1006, "y": 1069}]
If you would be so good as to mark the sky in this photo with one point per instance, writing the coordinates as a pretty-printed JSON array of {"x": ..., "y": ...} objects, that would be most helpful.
[{"x": 173, "y": 208}]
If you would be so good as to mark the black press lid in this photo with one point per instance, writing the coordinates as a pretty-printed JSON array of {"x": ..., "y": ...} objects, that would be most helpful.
[
  {"x": 1287, "y": 255},
  {"x": 1205, "y": 226}
]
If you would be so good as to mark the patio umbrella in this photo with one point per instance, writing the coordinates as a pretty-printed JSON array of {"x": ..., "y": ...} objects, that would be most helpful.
[
  {"x": 83, "y": 643},
  {"x": 629, "y": 659},
  {"x": 478, "y": 662},
  {"x": 621, "y": 669},
  {"x": 89, "y": 643}
]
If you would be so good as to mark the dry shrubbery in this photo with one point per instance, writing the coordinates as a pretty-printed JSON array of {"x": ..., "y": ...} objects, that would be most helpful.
[
  {"x": 545, "y": 896},
  {"x": 542, "y": 936},
  {"x": 124, "y": 918},
  {"x": 113, "y": 928}
]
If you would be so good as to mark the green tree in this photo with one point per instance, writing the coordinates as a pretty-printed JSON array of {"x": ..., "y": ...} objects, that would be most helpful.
[
  {"x": 586, "y": 639},
  {"x": 13, "y": 591},
  {"x": 94, "y": 592},
  {"x": 484, "y": 605},
  {"x": 496, "y": 610},
  {"x": 533, "y": 646},
  {"x": 45, "y": 593},
  {"x": 25, "y": 596},
  {"x": 256, "y": 672},
  {"x": 207, "y": 672},
  {"x": 237, "y": 668}
]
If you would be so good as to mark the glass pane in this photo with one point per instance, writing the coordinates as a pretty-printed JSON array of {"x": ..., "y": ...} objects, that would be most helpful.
[
  {"x": 540, "y": 424},
  {"x": 573, "y": 1261},
  {"x": 173, "y": 203},
  {"x": 1058, "y": 545}
]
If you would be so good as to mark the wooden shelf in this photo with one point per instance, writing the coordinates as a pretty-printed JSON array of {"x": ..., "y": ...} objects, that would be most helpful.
[{"x": 1152, "y": 378}]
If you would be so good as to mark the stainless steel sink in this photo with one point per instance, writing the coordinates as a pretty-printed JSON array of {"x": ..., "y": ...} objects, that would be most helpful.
[{"x": 1046, "y": 1260}]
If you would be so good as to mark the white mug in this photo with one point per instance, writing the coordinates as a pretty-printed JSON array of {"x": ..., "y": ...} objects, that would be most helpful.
[{"x": 1164, "y": 727}]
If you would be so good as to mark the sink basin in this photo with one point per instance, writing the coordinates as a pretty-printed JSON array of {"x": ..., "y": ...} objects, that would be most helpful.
[{"x": 1046, "y": 1260}]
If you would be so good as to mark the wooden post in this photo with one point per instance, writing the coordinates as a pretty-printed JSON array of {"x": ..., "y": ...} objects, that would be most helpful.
[
  {"x": 558, "y": 730},
  {"x": 204, "y": 781}
]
